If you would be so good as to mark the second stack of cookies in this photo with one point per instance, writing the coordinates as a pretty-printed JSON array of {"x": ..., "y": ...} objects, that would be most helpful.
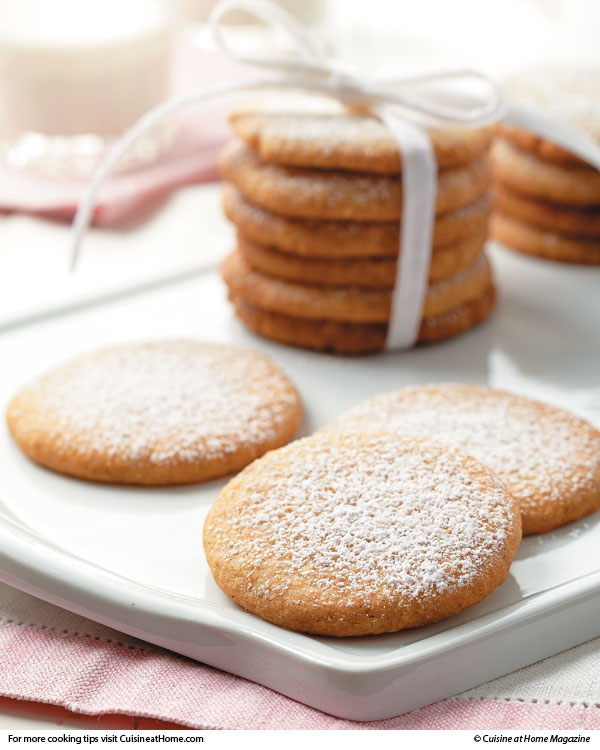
[
  {"x": 547, "y": 200},
  {"x": 317, "y": 202}
]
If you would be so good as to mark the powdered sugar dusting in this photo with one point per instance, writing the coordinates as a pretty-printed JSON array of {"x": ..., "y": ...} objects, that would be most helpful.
[
  {"x": 351, "y": 516},
  {"x": 568, "y": 93},
  {"x": 165, "y": 402},
  {"x": 277, "y": 226},
  {"x": 327, "y": 187},
  {"x": 324, "y": 133},
  {"x": 321, "y": 193},
  {"x": 541, "y": 452},
  {"x": 345, "y": 140}
]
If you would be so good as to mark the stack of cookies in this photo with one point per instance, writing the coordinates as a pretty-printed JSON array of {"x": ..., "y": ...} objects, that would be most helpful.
[
  {"x": 547, "y": 201},
  {"x": 317, "y": 202}
]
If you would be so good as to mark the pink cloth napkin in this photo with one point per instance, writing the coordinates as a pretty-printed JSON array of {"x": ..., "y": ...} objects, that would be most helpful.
[
  {"x": 199, "y": 135},
  {"x": 97, "y": 677},
  {"x": 51, "y": 656}
]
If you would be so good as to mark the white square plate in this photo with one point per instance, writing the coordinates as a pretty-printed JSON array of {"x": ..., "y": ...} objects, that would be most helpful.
[{"x": 132, "y": 558}]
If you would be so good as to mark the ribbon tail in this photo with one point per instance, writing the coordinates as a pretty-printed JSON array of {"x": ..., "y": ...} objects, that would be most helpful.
[
  {"x": 571, "y": 139},
  {"x": 85, "y": 207},
  {"x": 419, "y": 189}
]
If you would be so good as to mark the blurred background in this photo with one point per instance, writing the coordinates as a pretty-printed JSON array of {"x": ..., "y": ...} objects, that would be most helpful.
[{"x": 74, "y": 74}]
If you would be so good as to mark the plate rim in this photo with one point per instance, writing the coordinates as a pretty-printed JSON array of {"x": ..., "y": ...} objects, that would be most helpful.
[{"x": 24, "y": 554}]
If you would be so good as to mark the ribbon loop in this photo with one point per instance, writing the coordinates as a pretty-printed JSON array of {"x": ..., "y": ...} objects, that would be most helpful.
[
  {"x": 308, "y": 48},
  {"x": 313, "y": 69},
  {"x": 350, "y": 88},
  {"x": 440, "y": 96}
]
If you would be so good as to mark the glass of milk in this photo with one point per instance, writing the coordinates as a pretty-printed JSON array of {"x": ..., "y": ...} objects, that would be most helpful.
[{"x": 74, "y": 74}]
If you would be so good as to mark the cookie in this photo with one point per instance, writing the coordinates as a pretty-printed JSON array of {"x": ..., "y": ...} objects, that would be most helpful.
[
  {"x": 359, "y": 338},
  {"x": 537, "y": 145},
  {"x": 356, "y": 534},
  {"x": 346, "y": 141},
  {"x": 319, "y": 194},
  {"x": 553, "y": 217},
  {"x": 548, "y": 458},
  {"x": 345, "y": 239},
  {"x": 157, "y": 413},
  {"x": 533, "y": 240},
  {"x": 567, "y": 92},
  {"x": 347, "y": 304},
  {"x": 525, "y": 173},
  {"x": 365, "y": 272}
]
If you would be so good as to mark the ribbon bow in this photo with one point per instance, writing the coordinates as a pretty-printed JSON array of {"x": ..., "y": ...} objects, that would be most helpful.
[
  {"x": 402, "y": 104},
  {"x": 314, "y": 69}
]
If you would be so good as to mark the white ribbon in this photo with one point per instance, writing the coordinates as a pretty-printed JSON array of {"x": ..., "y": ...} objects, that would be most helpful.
[
  {"x": 571, "y": 139},
  {"x": 401, "y": 103},
  {"x": 419, "y": 184}
]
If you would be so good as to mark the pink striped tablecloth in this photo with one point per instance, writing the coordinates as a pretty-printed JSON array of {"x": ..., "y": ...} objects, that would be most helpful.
[{"x": 51, "y": 656}]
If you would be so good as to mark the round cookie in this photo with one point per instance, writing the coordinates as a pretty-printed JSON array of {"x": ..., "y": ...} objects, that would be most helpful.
[
  {"x": 156, "y": 413},
  {"x": 345, "y": 239},
  {"x": 347, "y": 304},
  {"x": 577, "y": 222},
  {"x": 346, "y": 141},
  {"x": 319, "y": 194},
  {"x": 347, "y": 535},
  {"x": 365, "y": 272},
  {"x": 565, "y": 92},
  {"x": 548, "y": 458},
  {"x": 525, "y": 173},
  {"x": 359, "y": 338},
  {"x": 535, "y": 144},
  {"x": 533, "y": 240}
]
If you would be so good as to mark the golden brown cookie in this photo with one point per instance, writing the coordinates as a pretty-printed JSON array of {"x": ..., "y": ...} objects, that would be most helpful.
[
  {"x": 358, "y": 534},
  {"x": 533, "y": 240},
  {"x": 347, "y": 304},
  {"x": 359, "y": 338},
  {"x": 548, "y": 457},
  {"x": 560, "y": 183},
  {"x": 567, "y": 92},
  {"x": 365, "y": 272},
  {"x": 345, "y": 239},
  {"x": 157, "y": 413},
  {"x": 535, "y": 144},
  {"x": 577, "y": 222},
  {"x": 353, "y": 142},
  {"x": 320, "y": 194}
]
